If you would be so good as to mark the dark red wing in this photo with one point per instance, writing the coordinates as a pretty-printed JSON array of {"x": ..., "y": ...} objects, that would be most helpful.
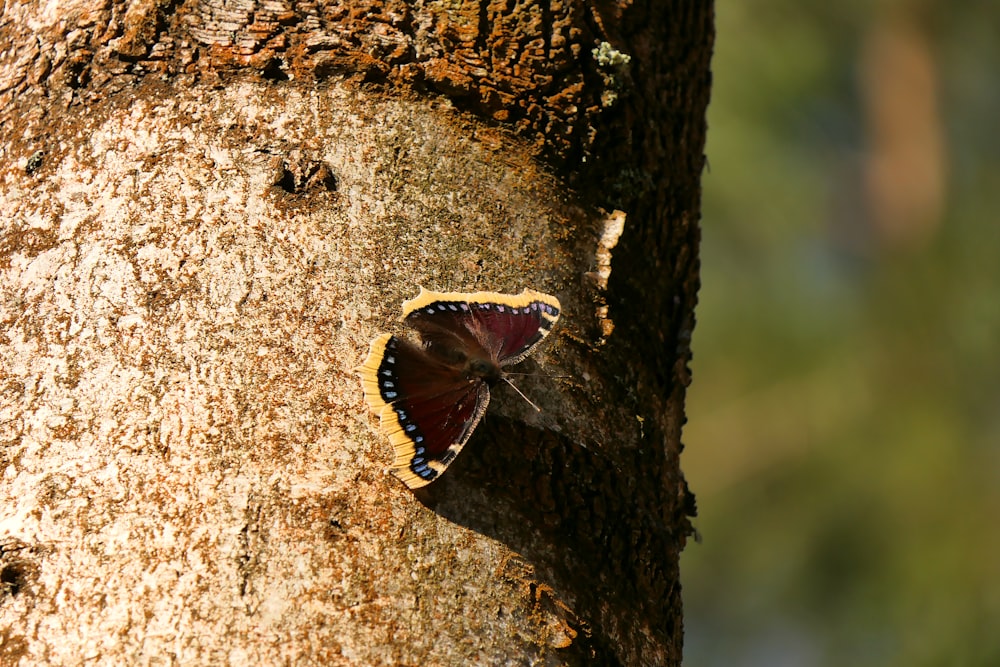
[
  {"x": 430, "y": 408},
  {"x": 430, "y": 398},
  {"x": 514, "y": 330},
  {"x": 506, "y": 326}
]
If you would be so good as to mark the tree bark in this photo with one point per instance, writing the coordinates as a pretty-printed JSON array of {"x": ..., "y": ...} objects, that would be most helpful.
[{"x": 210, "y": 208}]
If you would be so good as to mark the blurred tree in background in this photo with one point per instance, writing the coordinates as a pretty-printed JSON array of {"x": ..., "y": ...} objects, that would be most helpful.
[{"x": 844, "y": 435}]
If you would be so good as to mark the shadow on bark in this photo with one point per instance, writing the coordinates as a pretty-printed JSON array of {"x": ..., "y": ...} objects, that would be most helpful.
[{"x": 589, "y": 539}]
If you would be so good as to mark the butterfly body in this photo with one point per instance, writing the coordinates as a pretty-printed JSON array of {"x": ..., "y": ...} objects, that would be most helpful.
[{"x": 430, "y": 397}]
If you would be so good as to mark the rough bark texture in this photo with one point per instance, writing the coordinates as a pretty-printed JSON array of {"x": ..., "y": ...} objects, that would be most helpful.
[{"x": 210, "y": 208}]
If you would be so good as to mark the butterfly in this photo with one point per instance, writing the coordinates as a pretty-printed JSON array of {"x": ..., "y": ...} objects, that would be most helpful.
[{"x": 430, "y": 397}]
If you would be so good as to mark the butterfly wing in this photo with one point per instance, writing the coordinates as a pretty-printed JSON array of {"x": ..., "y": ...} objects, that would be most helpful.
[
  {"x": 506, "y": 327},
  {"x": 427, "y": 406},
  {"x": 427, "y": 400}
]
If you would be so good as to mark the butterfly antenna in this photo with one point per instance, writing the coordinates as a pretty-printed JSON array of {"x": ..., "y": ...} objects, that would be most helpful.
[
  {"x": 544, "y": 375},
  {"x": 521, "y": 393}
]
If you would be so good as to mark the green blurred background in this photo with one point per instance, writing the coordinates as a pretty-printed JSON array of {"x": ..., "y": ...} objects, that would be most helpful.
[{"x": 844, "y": 434}]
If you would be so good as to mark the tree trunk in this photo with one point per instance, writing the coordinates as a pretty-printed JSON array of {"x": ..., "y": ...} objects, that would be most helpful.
[{"x": 210, "y": 208}]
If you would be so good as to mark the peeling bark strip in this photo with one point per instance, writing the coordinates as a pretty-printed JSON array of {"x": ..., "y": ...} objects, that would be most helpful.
[{"x": 210, "y": 207}]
